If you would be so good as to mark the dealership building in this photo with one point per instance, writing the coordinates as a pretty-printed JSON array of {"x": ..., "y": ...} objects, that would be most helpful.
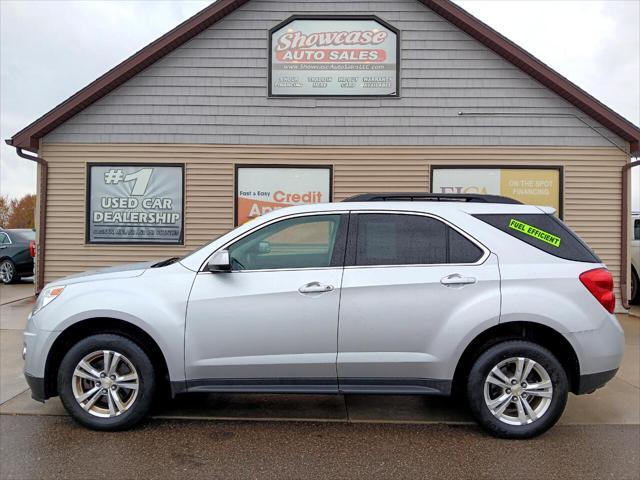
[{"x": 254, "y": 105}]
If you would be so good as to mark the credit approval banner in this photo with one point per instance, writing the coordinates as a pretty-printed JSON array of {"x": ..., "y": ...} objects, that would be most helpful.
[
  {"x": 262, "y": 189},
  {"x": 135, "y": 204},
  {"x": 334, "y": 57},
  {"x": 533, "y": 186}
]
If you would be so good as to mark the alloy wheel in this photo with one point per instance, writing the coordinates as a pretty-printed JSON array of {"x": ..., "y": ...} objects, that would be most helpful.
[
  {"x": 7, "y": 271},
  {"x": 105, "y": 383},
  {"x": 518, "y": 391}
]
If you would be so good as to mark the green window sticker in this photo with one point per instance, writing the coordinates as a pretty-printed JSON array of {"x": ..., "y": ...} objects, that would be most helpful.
[{"x": 534, "y": 232}]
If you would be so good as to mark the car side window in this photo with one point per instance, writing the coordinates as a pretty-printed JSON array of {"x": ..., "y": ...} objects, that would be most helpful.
[
  {"x": 302, "y": 242},
  {"x": 636, "y": 230},
  {"x": 4, "y": 238},
  {"x": 398, "y": 239}
]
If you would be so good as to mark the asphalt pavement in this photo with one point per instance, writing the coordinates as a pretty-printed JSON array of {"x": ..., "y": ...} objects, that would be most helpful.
[
  {"x": 315, "y": 436},
  {"x": 54, "y": 447}
]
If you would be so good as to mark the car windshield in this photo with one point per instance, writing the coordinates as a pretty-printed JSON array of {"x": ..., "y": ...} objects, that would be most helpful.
[{"x": 169, "y": 261}]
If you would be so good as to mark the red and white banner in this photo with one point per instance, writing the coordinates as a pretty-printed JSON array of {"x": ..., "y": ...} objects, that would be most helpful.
[{"x": 263, "y": 189}]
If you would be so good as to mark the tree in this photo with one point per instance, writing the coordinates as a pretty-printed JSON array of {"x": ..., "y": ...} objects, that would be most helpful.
[
  {"x": 22, "y": 212},
  {"x": 5, "y": 211}
]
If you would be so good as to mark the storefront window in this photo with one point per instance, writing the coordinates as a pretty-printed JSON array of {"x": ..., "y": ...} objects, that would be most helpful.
[
  {"x": 260, "y": 190},
  {"x": 530, "y": 185},
  {"x": 140, "y": 203}
]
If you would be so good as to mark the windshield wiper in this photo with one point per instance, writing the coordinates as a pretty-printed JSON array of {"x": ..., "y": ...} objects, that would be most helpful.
[{"x": 166, "y": 262}]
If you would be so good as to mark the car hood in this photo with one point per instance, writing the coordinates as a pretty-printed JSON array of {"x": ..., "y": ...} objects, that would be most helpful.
[{"x": 120, "y": 271}]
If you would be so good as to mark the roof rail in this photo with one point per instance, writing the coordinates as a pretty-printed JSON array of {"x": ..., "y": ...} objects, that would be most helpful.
[{"x": 431, "y": 197}]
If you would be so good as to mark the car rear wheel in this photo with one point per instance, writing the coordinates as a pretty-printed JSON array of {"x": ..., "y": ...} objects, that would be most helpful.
[
  {"x": 106, "y": 382},
  {"x": 517, "y": 389},
  {"x": 7, "y": 271}
]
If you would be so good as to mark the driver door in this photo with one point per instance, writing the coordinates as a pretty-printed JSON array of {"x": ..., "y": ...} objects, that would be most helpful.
[{"x": 271, "y": 323}]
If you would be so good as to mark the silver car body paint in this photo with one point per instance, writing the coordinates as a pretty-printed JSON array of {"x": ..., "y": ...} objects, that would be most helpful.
[{"x": 380, "y": 322}]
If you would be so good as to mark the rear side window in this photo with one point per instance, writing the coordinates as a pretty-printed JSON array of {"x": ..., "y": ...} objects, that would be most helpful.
[
  {"x": 544, "y": 232},
  {"x": 396, "y": 239},
  {"x": 636, "y": 230},
  {"x": 4, "y": 238}
]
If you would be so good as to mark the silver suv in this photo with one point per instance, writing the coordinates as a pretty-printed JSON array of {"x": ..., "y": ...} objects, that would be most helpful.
[{"x": 402, "y": 294}]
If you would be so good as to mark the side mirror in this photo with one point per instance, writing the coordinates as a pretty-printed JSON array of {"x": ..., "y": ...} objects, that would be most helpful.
[
  {"x": 219, "y": 262},
  {"x": 264, "y": 247}
]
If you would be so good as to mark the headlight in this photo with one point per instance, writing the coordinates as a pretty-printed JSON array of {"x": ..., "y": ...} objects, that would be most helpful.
[{"x": 47, "y": 296}]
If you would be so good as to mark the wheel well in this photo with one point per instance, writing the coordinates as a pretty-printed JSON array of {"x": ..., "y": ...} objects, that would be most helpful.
[
  {"x": 85, "y": 328},
  {"x": 533, "y": 332}
]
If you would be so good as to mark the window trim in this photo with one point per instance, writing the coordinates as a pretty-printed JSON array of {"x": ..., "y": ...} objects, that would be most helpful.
[
  {"x": 353, "y": 235},
  {"x": 276, "y": 220},
  {"x": 8, "y": 238}
]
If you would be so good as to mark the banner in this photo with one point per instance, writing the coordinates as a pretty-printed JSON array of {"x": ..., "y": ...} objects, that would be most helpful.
[
  {"x": 262, "y": 189},
  {"x": 533, "y": 186},
  {"x": 334, "y": 57},
  {"x": 135, "y": 204}
]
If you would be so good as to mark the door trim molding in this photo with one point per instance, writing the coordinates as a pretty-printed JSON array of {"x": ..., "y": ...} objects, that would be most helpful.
[{"x": 376, "y": 386}]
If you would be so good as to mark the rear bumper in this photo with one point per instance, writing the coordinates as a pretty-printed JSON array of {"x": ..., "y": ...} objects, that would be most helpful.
[
  {"x": 36, "y": 384},
  {"x": 591, "y": 382}
]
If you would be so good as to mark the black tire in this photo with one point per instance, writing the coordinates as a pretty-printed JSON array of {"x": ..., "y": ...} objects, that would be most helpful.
[
  {"x": 9, "y": 277},
  {"x": 146, "y": 382},
  {"x": 635, "y": 287},
  {"x": 499, "y": 353}
]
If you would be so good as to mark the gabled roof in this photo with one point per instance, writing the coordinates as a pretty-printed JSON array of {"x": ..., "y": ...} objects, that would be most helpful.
[{"x": 28, "y": 138}]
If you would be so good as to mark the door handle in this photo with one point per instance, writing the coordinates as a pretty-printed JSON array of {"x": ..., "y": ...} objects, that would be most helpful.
[
  {"x": 457, "y": 280},
  {"x": 315, "y": 287}
]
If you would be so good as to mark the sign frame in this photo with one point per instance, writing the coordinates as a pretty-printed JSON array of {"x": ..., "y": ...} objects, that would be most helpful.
[
  {"x": 558, "y": 168},
  {"x": 292, "y": 18},
  {"x": 238, "y": 166},
  {"x": 87, "y": 237}
]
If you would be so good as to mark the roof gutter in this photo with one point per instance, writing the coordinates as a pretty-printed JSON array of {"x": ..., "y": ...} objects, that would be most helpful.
[
  {"x": 624, "y": 253},
  {"x": 42, "y": 224}
]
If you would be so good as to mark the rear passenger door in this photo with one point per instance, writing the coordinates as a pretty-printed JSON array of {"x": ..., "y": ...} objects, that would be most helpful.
[{"x": 414, "y": 290}]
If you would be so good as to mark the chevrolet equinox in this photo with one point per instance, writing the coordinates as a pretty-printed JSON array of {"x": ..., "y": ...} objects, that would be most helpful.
[{"x": 381, "y": 294}]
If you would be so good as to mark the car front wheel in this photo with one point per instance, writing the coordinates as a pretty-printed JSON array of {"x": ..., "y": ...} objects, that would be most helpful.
[
  {"x": 517, "y": 389},
  {"x": 106, "y": 382}
]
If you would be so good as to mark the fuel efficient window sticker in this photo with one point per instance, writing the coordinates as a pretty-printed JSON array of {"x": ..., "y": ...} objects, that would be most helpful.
[{"x": 534, "y": 232}]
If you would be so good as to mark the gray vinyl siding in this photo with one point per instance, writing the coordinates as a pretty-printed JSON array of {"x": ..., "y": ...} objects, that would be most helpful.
[{"x": 213, "y": 90}]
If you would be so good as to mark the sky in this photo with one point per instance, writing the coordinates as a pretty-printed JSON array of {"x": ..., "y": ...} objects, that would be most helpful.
[{"x": 50, "y": 49}]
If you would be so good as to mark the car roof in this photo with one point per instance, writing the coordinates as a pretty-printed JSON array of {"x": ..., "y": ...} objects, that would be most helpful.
[{"x": 415, "y": 206}]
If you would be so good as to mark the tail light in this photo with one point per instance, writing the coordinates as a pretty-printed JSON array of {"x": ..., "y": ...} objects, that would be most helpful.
[
  {"x": 32, "y": 248},
  {"x": 600, "y": 283}
]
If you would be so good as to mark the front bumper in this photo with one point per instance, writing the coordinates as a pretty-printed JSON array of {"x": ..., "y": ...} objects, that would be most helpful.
[
  {"x": 591, "y": 382},
  {"x": 36, "y": 384}
]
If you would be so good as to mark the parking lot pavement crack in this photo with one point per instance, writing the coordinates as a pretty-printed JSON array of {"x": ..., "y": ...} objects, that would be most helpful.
[
  {"x": 346, "y": 408},
  {"x": 15, "y": 396}
]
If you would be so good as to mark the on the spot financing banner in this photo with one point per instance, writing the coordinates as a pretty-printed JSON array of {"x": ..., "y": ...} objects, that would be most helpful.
[
  {"x": 334, "y": 57},
  {"x": 261, "y": 190},
  {"x": 533, "y": 186}
]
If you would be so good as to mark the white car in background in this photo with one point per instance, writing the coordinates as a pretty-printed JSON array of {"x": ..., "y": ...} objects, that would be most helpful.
[{"x": 635, "y": 259}]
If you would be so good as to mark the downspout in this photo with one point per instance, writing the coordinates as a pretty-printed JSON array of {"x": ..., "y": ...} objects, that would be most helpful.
[
  {"x": 44, "y": 177},
  {"x": 624, "y": 268}
]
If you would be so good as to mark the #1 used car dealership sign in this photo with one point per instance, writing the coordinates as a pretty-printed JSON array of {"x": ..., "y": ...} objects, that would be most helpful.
[
  {"x": 135, "y": 204},
  {"x": 349, "y": 56}
]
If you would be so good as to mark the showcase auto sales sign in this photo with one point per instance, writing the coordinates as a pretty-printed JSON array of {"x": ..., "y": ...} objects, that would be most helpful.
[{"x": 334, "y": 57}]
